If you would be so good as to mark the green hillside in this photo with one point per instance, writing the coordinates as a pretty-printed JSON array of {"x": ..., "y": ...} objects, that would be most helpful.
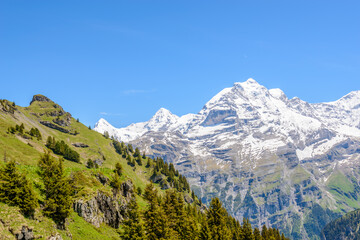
[
  {"x": 346, "y": 227},
  {"x": 70, "y": 182}
]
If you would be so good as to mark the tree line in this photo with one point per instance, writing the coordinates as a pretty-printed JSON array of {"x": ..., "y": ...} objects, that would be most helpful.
[{"x": 61, "y": 148}]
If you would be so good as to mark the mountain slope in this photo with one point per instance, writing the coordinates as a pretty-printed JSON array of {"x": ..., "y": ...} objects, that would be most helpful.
[
  {"x": 267, "y": 157},
  {"x": 62, "y": 180},
  {"x": 97, "y": 211},
  {"x": 346, "y": 227}
]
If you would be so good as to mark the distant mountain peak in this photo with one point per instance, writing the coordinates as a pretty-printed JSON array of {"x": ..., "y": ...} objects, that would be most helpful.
[{"x": 161, "y": 118}]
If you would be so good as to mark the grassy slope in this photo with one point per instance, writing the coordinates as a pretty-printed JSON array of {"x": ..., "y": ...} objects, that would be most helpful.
[{"x": 17, "y": 148}]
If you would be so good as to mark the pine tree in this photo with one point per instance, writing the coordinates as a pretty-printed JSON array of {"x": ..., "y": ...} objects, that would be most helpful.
[
  {"x": 179, "y": 221},
  {"x": 118, "y": 169},
  {"x": 247, "y": 230},
  {"x": 216, "y": 219},
  {"x": 58, "y": 190},
  {"x": 205, "y": 233},
  {"x": 257, "y": 234},
  {"x": 116, "y": 184},
  {"x": 156, "y": 224},
  {"x": 16, "y": 190},
  {"x": 132, "y": 227},
  {"x": 264, "y": 232}
]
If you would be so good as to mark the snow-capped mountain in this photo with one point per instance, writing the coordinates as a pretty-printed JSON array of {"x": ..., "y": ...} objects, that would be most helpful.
[{"x": 260, "y": 152}]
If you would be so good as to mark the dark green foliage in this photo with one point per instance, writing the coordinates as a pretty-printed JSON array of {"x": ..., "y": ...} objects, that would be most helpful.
[
  {"x": 216, "y": 219},
  {"x": 106, "y": 134},
  {"x": 58, "y": 190},
  {"x": 257, "y": 234},
  {"x": 132, "y": 227},
  {"x": 138, "y": 160},
  {"x": 116, "y": 183},
  {"x": 346, "y": 227},
  {"x": 247, "y": 230},
  {"x": 156, "y": 224},
  {"x": 139, "y": 191},
  {"x": 205, "y": 233},
  {"x": 16, "y": 190},
  {"x": 118, "y": 169},
  {"x": 35, "y": 133},
  {"x": 317, "y": 219},
  {"x": 137, "y": 153},
  {"x": 130, "y": 148},
  {"x": 61, "y": 148},
  {"x": 180, "y": 222},
  {"x": 91, "y": 164}
]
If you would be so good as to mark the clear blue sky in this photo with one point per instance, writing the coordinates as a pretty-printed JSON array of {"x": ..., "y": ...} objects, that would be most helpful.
[{"x": 123, "y": 60}]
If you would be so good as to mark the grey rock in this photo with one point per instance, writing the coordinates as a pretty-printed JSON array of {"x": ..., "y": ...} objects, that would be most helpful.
[
  {"x": 56, "y": 237},
  {"x": 80, "y": 145},
  {"x": 40, "y": 98},
  {"x": 26, "y": 233},
  {"x": 102, "y": 208}
]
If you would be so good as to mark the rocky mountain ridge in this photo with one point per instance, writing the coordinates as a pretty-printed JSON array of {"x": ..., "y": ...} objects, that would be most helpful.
[{"x": 267, "y": 157}]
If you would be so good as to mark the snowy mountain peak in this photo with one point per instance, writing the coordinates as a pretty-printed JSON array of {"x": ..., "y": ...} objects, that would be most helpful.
[
  {"x": 102, "y": 123},
  {"x": 163, "y": 115},
  {"x": 278, "y": 93},
  {"x": 161, "y": 120}
]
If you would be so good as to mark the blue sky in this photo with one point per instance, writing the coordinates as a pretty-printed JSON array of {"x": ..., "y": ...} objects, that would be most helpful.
[{"x": 123, "y": 60}]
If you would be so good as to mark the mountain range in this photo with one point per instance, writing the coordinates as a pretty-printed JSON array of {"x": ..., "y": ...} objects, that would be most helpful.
[{"x": 284, "y": 162}]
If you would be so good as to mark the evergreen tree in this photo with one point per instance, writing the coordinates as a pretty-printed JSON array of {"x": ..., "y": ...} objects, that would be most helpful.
[
  {"x": 247, "y": 230},
  {"x": 16, "y": 190},
  {"x": 179, "y": 221},
  {"x": 205, "y": 232},
  {"x": 156, "y": 224},
  {"x": 106, "y": 134},
  {"x": 116, "y": 184},
  {"x": 216, "y": 219},
  {"x": 118, "y": 169},
  {"x": 58, "y": 190},
  {"x": 257, "y": 234},
  {"x": 132, "y": 227},
  {"x": 264, "y": 232}
]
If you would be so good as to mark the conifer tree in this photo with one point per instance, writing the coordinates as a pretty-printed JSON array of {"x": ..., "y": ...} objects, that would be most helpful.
[
  {"x": 216, "y": 219},
  {"x": 205, "y": 233},
  {"x": 247, "y": 230},
  {"x": 118, "y": 169},
  {"x": 58, "y": 190},
  {"x": 257, "y": 234},
  {"x": 264, "y": 232},
  {"x": 156, "y": 224},
  {"x": 179, "y": 221},
  {"x": 115, "y": 184},
  {"x": 132, "y": 227},
  {"x": 16, "y": 190}
]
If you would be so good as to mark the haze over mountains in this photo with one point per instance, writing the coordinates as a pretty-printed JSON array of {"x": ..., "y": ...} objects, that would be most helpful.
[{"x": 285, "y": 162}]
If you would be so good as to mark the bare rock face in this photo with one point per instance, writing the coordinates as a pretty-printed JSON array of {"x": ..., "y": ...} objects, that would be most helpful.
[
  {"x": 80, "y": 145},
  {"x": 110, "y": 210},
  {"x": 40, "y": 98},
  {"x": 26, "y": 233}
]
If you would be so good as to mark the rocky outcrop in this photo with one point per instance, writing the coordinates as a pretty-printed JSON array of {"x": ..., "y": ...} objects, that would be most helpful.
[
  {"x": 54, "y": 126},
  {"x": 103, "y": 208},
  {"x": 64, "y": 121},
  {"x": 40, "y": 98},
  {"x": 25, "y": 233},
  {"x": 80, "y": 145}
]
